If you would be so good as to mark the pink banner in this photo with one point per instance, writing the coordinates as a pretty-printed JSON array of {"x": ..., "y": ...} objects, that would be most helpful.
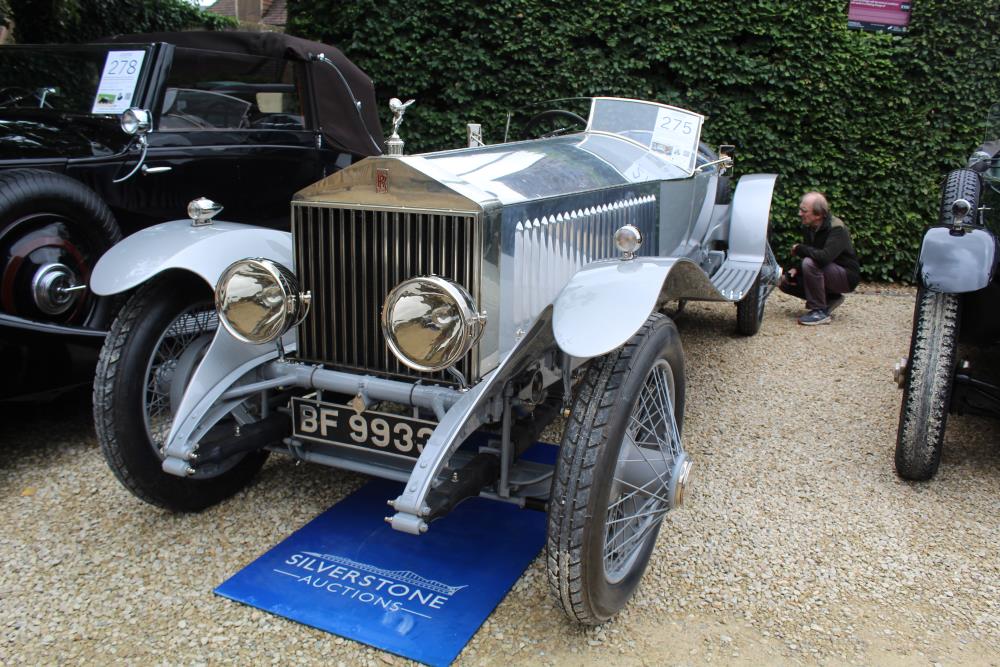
[{"x": 889, "y": 15}]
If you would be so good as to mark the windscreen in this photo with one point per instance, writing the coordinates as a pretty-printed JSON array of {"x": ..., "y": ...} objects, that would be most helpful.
[
  {"x": 671, "y": 131},
  {"x": 78, "y": 80}
]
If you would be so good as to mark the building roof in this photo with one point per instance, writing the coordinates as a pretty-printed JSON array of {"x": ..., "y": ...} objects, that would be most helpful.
[{"x": 273, "y": 13}]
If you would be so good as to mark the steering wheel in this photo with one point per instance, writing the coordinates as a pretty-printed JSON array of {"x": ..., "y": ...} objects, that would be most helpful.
[
  {"x": 183, "y": 121},
  {"x": 552, "y": 118},
  {"x": 14, "y": 94}
]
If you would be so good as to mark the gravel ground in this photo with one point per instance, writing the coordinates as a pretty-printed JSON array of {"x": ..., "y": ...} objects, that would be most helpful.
[{"x": 797, "y": 545}]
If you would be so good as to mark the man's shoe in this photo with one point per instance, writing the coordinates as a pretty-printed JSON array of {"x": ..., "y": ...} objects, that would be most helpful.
[
  {"x": 814, "y": 317},
  {"x": 833, "y": 302}
]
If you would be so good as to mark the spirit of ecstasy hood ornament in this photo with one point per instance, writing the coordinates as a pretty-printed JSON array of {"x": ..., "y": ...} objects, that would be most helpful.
[{"x": 394, "y": 145}]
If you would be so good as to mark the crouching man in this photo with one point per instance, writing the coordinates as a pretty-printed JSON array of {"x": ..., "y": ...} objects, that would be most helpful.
[{"x": 829, "y": 269}]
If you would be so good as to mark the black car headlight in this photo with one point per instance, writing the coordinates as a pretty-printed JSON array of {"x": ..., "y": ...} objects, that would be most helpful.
[
  {"x": 258, "y": 300},
  {"x": 430, "y": 323}
]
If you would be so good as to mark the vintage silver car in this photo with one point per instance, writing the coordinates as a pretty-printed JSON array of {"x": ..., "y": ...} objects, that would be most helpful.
[{"x": 429, "y": 315}]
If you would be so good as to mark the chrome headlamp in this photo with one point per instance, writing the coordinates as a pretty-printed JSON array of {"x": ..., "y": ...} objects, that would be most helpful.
[
  {"x": 430, "y": 323},
  {"x": 259, "y": 300},
  {"x": 135, "y": 121},
  {"x": 959, "y": 210},
  {"x": 628, "y": 238}
]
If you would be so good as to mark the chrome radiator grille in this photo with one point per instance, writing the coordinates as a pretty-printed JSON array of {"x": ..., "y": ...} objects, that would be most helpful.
[
  {"x": 350, "y": 259},
  {"x": 550, "y": 249}
]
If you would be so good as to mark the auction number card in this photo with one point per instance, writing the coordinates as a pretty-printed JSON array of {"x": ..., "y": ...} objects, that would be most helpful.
[
  {"x": 118, "y": 81},
  {"x": 676, "y": 135}
]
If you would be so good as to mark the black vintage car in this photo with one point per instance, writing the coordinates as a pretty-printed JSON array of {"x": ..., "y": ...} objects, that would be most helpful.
[
  {"x": 958, "y": 301},
  {"x": 100, "y": 140}
]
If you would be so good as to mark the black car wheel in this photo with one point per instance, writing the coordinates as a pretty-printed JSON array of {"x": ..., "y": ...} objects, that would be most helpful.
[
  {"x": 52, "y": 231},
  {"x": 147, "y": 360},
  {"x": 750, "y": 309},
  {"x": 927, "y": 389},
  {"x": 621, "y": 467}
]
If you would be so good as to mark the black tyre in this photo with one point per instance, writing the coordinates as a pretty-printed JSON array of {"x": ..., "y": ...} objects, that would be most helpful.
[
  {"x": 52, "y": 231},
  {"x": 960, "y": 184},
  {"x": 621, "y": 468},
  {"x": 147, "y": 358},
  {"x": 927, "y": 389},
  {"x": 750, "y": 309}
]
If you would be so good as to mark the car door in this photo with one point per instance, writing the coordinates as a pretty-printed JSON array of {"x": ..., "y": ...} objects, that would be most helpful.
[{"x": 231, "y": 127}]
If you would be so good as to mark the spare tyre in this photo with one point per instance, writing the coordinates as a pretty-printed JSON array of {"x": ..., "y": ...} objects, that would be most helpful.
[{"x": 52, "y": 231}]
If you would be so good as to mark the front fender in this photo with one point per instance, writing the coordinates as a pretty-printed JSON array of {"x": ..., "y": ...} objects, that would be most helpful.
[
  {"x": 957, "y": 263},
  {"x": 606, "y": 302},
  {"x": 206, "y": 251}
]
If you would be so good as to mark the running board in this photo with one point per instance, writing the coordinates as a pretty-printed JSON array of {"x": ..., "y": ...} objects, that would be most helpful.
[{"x": 735, "y": 278}]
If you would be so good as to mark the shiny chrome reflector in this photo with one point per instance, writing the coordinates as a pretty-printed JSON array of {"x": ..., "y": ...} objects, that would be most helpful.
[
  {"x": 259, "y": 300},
  {"x": 430, "y": 323}
]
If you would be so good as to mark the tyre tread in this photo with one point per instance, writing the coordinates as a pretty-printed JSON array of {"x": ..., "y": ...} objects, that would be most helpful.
[
  {"x": 17, "y": 185},
  {"x": 959, "y": 184},
  {"x": 927, "y": 391},
  {"x": 585, "y": 431},
  {"x": 125, "y": 449},
  {"x": 104, "y": 403},
  {"x": 747, "y": 321}
]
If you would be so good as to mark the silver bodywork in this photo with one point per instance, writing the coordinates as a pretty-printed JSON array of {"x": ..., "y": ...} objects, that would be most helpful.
[{"x": 532, "y": 227}]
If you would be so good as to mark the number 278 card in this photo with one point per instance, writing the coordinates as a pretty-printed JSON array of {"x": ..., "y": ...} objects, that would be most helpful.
[{"x": 118, "y": 81}]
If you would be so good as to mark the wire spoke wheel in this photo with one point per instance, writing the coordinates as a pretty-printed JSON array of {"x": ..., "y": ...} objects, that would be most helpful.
[
  {"x": 149, "y": 358},
  {"x": 652, "y": 443},
  {"x": 170, "y": 365},
  {"x": 621, "y": 468}
]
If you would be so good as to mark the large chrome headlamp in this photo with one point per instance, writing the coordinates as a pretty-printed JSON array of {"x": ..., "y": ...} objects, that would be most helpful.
[
  {"x": 430, "y": 323},
  {"x": 259, "y": 300}
]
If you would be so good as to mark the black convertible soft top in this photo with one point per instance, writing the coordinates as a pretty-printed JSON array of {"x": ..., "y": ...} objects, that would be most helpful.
[{"x": 337, "y": 89}]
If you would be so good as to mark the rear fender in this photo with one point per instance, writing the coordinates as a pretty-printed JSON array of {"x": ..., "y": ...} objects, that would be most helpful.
[
  {"x": 205, "y": 251},
  {"x": 957, "y": 263},
  {"x": 751, "y": 215}
]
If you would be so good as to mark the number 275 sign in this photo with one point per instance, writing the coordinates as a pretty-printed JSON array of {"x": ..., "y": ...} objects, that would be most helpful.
[{"x": 676, "y": 134}]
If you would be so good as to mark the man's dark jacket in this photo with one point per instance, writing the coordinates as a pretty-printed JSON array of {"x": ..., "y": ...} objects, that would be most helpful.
[{"x": 831, "y": 243}]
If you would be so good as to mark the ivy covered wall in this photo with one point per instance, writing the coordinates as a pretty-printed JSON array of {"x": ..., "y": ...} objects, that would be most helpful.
[
  {"x": 68, "y": 21},
  {"x": 873, "y": 120}
]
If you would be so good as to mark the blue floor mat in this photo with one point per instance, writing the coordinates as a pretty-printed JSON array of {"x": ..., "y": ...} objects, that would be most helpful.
[{"x": 420, "y": 597}]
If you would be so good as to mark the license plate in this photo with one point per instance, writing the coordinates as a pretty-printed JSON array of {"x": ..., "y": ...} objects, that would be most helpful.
[{"x": 340, "y": 425}]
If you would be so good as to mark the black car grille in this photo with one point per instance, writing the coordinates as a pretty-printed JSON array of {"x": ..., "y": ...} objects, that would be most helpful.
[{"x": 350, "y": 259}]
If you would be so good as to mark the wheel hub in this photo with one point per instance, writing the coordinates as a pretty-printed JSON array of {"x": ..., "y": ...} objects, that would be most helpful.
[
  {"x": 54, "y": 288},
  {"x": 677, "y": 489}
]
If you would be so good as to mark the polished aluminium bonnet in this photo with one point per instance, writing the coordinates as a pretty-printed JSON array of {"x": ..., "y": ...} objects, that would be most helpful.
[{"x": 539, "y": 211}]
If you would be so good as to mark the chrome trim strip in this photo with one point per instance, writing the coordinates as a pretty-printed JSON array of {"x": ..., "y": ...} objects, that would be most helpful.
[{"x": 390, "y": 209}]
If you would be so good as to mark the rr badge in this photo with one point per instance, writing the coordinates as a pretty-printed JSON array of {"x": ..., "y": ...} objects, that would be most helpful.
[{"x": 381, "y": 181}]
